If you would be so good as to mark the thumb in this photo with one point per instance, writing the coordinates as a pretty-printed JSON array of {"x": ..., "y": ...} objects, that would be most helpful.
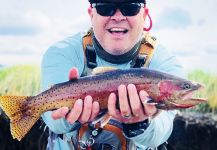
[
  {"x": 59, "y": 113},
  {"x": 73, "y": 73}
]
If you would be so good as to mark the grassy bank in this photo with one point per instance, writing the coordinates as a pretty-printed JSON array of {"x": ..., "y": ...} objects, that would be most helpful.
[
  {"x": 25, "y": 80},
  {"x": 20, "y": 80},
  {"x": 210, "y": 90}
]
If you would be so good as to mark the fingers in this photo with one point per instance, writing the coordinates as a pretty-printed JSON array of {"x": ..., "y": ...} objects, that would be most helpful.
[
  {"x": 112, "y": 110},
  {"x": 87, "y": 109},
  {"x": 123, "y": 101},
  {"x": 134, "y": 99},
  {"x": 73, "y": 73},
  {"x": 83, "y": 111},
  {"x": 95, "y": 110},
  {"x": 59, "y": 113},
  {"x": 133, "y": 105},
  {"x": 75, "y": 112},
  {"x": 149, "y": 109}
]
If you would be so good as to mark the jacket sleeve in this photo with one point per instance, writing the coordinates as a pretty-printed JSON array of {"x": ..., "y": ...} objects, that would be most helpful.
[
  {"x": 56, "y": 63},
  {"x": 161, "y": 126}
]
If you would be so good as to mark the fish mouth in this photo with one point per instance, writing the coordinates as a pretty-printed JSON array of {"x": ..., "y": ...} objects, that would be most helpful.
[
  {"x": 187, "y": 98},
  {"x": 183, "y": 103},
  {"x": 188, "y": 93},
  {"x": 186, "y": 101}
]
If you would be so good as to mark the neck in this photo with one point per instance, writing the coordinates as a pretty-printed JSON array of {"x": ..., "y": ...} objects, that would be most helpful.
[{"x": 115, "y": 59}]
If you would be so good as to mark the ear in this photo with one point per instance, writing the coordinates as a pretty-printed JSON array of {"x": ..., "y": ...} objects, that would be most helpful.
[
  {"x": 90, "y": 12},
  {"x": 145, "y": 13}
]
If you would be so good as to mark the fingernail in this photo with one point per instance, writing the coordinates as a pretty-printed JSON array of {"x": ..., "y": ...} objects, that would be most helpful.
[
  {"x": 88, "y": 99},
  {"x": 130, "y": 86},
  {"x": 96, "y": 104},
  {"x": 64, "y": 111},
  {"x": 80, "y": 102},
  {"x": 122, "y": 86}
]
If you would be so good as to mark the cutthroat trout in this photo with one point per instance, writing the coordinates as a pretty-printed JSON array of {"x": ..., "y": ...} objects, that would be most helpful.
[{"x": 166, "y": 91}]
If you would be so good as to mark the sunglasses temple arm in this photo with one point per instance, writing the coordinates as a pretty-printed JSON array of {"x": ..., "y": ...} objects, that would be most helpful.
[{"x": 150, "y": 20}]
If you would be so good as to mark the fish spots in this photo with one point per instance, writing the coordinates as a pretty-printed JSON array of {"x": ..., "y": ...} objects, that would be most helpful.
[
  {"x": 97, "y": 99},
  {"x": 28, "y": 112},
  {"x": 34, "y": 101}
]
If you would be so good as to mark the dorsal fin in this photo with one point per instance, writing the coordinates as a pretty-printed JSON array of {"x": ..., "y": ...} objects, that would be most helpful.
[{"x": 100, "y": 70}]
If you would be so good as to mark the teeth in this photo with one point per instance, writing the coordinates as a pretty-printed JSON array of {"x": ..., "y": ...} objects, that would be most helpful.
[{"x": 117, "y": 30}]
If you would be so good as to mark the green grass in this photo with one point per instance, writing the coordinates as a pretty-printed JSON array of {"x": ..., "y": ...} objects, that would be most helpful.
[
  {"x": 209, "y": 92},
  {"x": 25, "y": 80},
  {"x": 20, "y": 80}
]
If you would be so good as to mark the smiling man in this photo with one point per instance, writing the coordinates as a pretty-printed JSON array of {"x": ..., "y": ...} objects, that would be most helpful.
[
  {"x": 119, "y": 30},
  {"x": 117, "y": 39}
]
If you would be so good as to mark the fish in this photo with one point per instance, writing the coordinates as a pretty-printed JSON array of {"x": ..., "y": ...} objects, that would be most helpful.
[{"x": 166, "y": 91}]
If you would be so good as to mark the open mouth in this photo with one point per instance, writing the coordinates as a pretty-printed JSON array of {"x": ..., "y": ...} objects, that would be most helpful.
[
  {"x": 117, "y": 30},
  {"x": 188, "y": 99},
  {"x": 185, "y": 101},
  {"x": 187, "y": 95}
]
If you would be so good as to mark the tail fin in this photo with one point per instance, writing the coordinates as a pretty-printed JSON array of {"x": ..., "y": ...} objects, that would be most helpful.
[
  {"x": 20, "y": 128},
  {"x": 20, "y": 120}
]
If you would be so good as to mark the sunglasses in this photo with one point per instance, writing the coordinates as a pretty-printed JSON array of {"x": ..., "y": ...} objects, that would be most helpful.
[{"x": 109, "y": 9}]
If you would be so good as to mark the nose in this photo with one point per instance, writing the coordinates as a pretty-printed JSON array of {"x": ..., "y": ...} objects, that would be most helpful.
[{"x": 118, "y": 16}]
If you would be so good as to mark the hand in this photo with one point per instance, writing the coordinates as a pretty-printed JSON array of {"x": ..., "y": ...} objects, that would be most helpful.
[
  {"x": 83, "y": 110},
  {"x": 133, "y": 109}
]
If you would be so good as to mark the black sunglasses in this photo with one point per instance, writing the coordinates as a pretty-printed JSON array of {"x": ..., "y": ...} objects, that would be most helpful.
[{"x": 109, "y": 9}]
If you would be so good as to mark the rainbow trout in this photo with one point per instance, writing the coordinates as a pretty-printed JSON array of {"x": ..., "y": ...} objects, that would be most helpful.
[{"x": 166, "y": 91}]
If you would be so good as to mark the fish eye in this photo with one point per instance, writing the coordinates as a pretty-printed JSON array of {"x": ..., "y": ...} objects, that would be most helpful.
[{"x": 186, "y": 86}]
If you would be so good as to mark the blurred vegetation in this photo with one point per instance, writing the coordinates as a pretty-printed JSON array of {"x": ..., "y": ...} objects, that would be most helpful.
[
  {"x": 25, "y": 80},
  {"x": 209, "y": 92},
  {"x": 20, "y": 80}
]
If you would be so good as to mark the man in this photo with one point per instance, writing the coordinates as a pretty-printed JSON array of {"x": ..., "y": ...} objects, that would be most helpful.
[{"x": 117, "y": 33}]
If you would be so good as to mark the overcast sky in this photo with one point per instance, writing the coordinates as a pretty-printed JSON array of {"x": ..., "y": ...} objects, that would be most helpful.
[{"x": 29, "y": 27}]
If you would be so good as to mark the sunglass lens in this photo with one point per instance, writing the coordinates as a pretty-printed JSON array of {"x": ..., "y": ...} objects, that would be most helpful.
[
  {"x": 106, "y": 9},
  {"x": 130, "y": 9}
]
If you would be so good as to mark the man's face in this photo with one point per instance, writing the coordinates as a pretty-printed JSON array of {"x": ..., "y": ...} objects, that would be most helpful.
[{"x": 117, "y": 34}]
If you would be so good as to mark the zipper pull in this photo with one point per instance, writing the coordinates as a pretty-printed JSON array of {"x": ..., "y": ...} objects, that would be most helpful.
[{"x": 90, "y": 142}]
